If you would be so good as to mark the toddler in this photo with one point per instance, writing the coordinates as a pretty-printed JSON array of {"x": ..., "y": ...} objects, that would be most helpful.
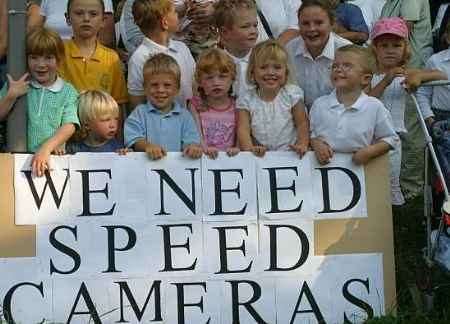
[
  {"x": 348, "y": 120},
  {"x": 51, "y": 101},
  {"x": 215, "y": 110},
  {"x": 99, "y": 117},
  {"x": 162, "y": 124},
  {"x": 272, "y": 115}
]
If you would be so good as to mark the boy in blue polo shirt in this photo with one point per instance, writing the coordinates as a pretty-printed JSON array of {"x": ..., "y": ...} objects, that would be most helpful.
[{"x": 162, "y": 125}]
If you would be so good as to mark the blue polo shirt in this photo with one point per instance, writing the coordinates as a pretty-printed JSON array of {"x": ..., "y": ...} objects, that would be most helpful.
[
  {"x": 350, "y": 16},
  {"x": 173, "y": 130}
]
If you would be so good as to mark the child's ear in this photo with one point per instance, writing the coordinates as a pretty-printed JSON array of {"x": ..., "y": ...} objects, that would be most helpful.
[
  {"x": 366, "y": 79},
  {"x": 164, "y": 24}
]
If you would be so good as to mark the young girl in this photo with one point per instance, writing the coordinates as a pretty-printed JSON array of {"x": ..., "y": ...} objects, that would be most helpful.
[
  {"x": 215, "y": 110},
  {"x": 390, "y": 82},
  {"x": 99, "y": 117},
  {"x": 271, "y": 115},
  {"x": 52, "y": 111},
  {"x": 312, "y": 53},
  {"x": 88, "y": 64}
]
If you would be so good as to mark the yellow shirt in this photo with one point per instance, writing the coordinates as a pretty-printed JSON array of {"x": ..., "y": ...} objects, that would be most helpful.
[{"x": 102, "y": 71}]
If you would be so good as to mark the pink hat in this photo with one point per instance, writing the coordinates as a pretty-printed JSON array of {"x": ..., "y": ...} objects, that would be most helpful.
[{"x": 391, "y": 25}]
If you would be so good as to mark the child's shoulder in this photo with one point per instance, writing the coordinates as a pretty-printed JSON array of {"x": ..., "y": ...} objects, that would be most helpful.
[
  {"x": 104, "y": 51},
  {"x": 440, "y": 57}
]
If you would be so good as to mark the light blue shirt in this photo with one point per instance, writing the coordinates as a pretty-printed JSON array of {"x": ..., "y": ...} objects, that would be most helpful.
[{"x": 173, "y": 130}]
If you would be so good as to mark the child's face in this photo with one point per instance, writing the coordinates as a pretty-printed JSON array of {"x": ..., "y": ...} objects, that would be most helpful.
[
  {"x": 347, "y": 73},
  {"x": 270, "y": 75},
  {"x": 390, "y": 50},
  {"x": 216, "y": 85},
  {"x": 242, "y": 35},
  {"x": 104, "y": 128},
  {"x": 161, "y": 90},
  {"x": 170, "y": 21},
  {"x": 315, "y": 28},
  {"x": 86, "y": 18},
  {"x": 43, "y": 68}
]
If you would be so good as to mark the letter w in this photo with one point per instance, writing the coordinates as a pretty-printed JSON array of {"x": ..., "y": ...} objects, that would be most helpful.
[{"x": 48, "y": 183}]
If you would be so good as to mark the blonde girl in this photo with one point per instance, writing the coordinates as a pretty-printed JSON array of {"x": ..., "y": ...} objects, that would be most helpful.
[
  {"x": 271, "y": 114},
  {"x": 215, "y": 109}
]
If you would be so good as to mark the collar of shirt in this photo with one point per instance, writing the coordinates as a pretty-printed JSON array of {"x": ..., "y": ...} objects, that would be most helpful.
[
  {"x": 176, "y": 110},
  {"x": 445, "y": 55},
  {"x": 357, "y": 105},
  {"x": 327, "y": 52},
  {"x": 244, "y": 59},
  {"x": 149, "y": 43},
  {"x": 74, "y": 51},
  {"x": 55, "y": 87}
]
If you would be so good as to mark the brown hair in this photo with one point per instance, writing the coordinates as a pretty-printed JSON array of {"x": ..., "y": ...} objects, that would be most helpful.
[
  {"x": 225, "y": 11},
  {"x": 70, "y": 2},
  {"x": 147, "y": 14},
  {"x": 43, "y": 41},
  {"x": 162, "y": 63},
  {"x": 366, "y": 58},
  {"x": 323, "y": 4}
]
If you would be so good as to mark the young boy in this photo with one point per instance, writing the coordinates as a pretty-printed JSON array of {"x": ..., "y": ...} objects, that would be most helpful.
[
  {"x": 350, "y": 22},
  {"x": 158, "y": 20},
  {"x": 237, "y": 23},
  {"x": 347, "y": 120},
  {"x": 162, "y": 125}
]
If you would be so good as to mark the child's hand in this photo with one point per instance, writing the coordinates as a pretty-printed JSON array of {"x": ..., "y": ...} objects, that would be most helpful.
[
  {"x": 232, "y": 151},
  {"x": 412, "y": 81},
  {"x": 211, "y": 152},
  {"x": 59, "y": 151},
  {"x": 362, "y": 156},
  {"x": 299, "y": 148},
  {"x": 258, "y": 150},
  {"x": 393, "y": 73},
  {"x": 17, "y": 88},
  {"x": 123, "y": 151},
  {"x": 40, "y": 162},
  {"x": 194, "y": 151},
  {"x": 323, "y": 151},
  {"x": 155, "y": 152}
]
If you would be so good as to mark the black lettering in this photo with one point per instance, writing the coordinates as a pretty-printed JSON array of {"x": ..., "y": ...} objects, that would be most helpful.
[
  {"x": 223, "y": 248},
  {"x": 314, "y": 307},
  {"x": 247, "y": 304},
  {"x": 274, "y": 190},
  {"x": 64, "y": 249},
  {"x": 180, "y": 299},
  {"x": 218, "y": 207},
  {"x": 83, "y": 292},
  {"x": 356, "y": 301},
  {"x": 7, "y": 313},
  {"x": 112, "y": 245}
]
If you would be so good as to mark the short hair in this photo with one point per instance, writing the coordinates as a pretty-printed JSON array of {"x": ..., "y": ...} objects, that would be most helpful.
[
  {"x": 212, "y": 60},
  {"x": 323, "y": 4},
  {"x": 161, "y": 64},
  {"x": 70, "y": 2},
  {"x": 225, "y": 11},
  {"x": 147, "y": 14},
  {"x": 44, "y": 41},
  {"x": 366, "y": 58},
  {"x": 94, "y": 104},
  {"x": 268, "y": 50}
]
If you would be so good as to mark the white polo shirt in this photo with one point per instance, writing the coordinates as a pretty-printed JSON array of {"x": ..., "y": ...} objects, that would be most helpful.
[
  {"x": 437, "y": 97},
  {"x": 347, "y": 130},
  {"x": 240, "y": 85},
  {"x": 178, "y": 50},
  {"x": 313, "y": 75}
]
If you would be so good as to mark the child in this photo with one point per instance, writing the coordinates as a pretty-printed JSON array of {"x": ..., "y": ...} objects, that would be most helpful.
[
  {"x": 313, "y": 52},
  {"x": 237, "y": 23},
  {"x": 162, "y": 124},
  {"x": 52, "y": 111},
  {"x": 347, "y": 120},
  {"x": 89, "y": 65},
  {"x": 99, "y": 117},
  {"x": 350, "y": 22},
  {"x": 215, "y": 110},
  {"x": 158, "y": 20},
  {"x": 272, "y": 115},
  {"x": 390, "y": 45}
]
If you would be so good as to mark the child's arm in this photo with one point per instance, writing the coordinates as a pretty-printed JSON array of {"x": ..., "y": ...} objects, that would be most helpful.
[
  {"x": 154, "y": 151},
  {"x": 364, "y": 155},
  {"x": 302, "y": 126},
  {"x": 378, "y": 90},
  {"x": 244, "y": 137},
  {"x": 211, "y": 152},
  {"x": 415, "y": 77},
  {"x": 322, "y": 150},
  {"x": 41, "y": 158},
  {"x": 15, "y": 90},
  {"x": 191, "y": 138}
]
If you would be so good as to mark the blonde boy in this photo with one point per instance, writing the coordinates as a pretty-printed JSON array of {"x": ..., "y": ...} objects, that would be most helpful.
[
  {"x": 158, "y": 20},
  {"x": 347, "y": 120},
  {"x": 162, "y": 125}
]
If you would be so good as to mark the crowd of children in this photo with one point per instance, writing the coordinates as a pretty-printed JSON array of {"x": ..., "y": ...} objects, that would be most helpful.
[{"x": 314, "y": 90}]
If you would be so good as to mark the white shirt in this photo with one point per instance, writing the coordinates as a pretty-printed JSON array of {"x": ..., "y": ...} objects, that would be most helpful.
[
  {"x": 394, "y": 99},
  {"x": 177, "y": 50},
  {"x": 371, "y": 10},
  {"x": 272, "y": 123},
  {"x": 313, "y": 75},
  {"x": 240, "y": 85},
  {"x": 280, "y": 15},
  {"x": 347, "y": 130},
  {"x": 437, "y": 97},
  {"x": 54, "y": 10}
]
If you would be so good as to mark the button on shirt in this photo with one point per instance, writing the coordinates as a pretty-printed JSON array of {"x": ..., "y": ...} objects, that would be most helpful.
[
  {"x": 177, "y": 50},
  {"x": 437, "y": 97},
  {"x": 313, "y": 75},
  {"x": 173, "y": 130},
  {"x": 347, "y": 130}
]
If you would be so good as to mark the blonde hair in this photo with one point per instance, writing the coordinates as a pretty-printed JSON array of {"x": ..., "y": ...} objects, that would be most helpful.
[
  {"x": 95, "y": 104},
  {"x": 161, "y": 64},
  {"x": 366, "y": 59},
  {"x": 225, "y": 11},
  {"x": 264, "y": 51},
  {"x": 43, "y": 41},
  {"x": 147, "y": 14},
  {"x": 406, "y": 54}
]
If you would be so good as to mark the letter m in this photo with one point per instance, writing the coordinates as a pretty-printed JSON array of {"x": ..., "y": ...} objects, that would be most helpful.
[{"x": 48, "y": 183}]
